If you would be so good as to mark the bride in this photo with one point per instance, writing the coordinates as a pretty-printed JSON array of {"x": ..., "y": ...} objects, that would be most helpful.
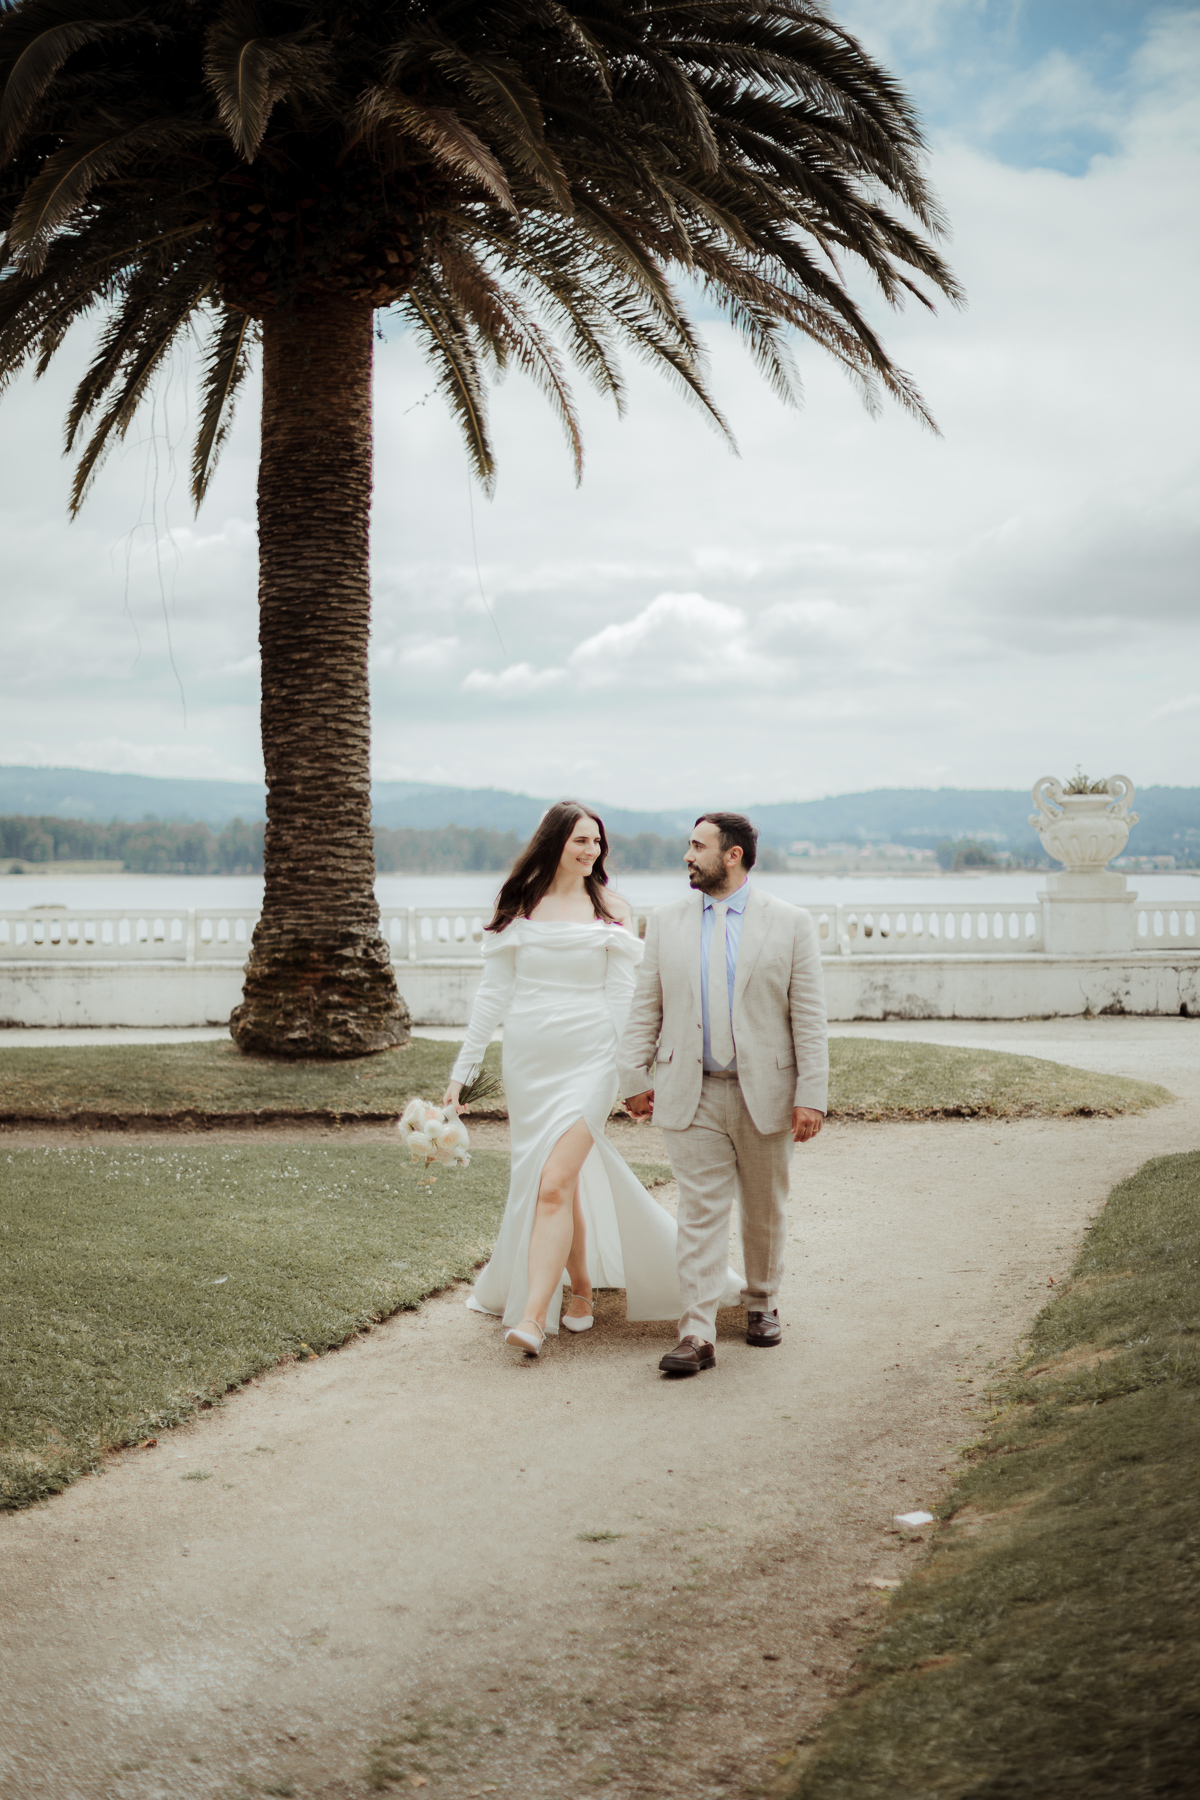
[{"x": 560, "y": 961}]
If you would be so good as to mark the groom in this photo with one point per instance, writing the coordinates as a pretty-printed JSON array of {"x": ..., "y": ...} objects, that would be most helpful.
[{"x": 726, "y": 1046}]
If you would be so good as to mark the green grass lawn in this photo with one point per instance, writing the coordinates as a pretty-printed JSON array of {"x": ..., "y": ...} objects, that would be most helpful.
[
  {"x": 175, "y": 1081},
  {"x": 1050, "y": 1647},
  {"x": 877, "y": 1078},
  {"x": 871, "y": 1079},
  {"x": 136, "y": 1283}
]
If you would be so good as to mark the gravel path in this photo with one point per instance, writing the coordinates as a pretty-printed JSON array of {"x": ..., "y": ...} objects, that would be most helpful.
[{"x": 393, "y": 1544}]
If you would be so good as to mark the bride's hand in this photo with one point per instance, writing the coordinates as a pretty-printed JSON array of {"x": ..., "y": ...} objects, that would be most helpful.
[{"x": 450, "y": 1097}]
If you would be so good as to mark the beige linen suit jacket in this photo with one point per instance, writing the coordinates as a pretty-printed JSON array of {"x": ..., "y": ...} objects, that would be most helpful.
[{"x": 779, "y": 1030}]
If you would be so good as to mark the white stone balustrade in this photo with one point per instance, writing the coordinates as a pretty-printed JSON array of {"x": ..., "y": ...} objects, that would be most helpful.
[
  {"x": 1162, "y": 927},
  {"x": 416, "y": 933},
  {"x": 1084, "y": 946},
  {"x": 127, "y": 934},
  {"x": 961, "y": 930},
  {"x": 438, "y": 933}
]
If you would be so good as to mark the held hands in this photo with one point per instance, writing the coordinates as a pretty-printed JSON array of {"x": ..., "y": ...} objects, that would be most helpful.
[{"x": 806, "y": 1122}]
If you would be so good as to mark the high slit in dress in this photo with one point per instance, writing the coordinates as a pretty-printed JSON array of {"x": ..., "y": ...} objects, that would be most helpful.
[{"x": 563, "y": 991}]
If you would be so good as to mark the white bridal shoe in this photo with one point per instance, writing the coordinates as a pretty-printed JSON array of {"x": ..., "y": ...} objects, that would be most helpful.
[
  {"x": 583, "y": 1324},
  {"x": 527, "y": 1336}
]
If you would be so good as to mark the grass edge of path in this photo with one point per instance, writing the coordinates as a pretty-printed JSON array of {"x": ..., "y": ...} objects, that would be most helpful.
[
  {"x": 210, "y": 1085},
  {"x": 122, "y": 1319},
  {"x": 1047, "y": 1643}
]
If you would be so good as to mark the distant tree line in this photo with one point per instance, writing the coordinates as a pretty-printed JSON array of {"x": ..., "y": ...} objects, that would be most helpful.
[
  {"x": 456, "y": 848},
  {"x": 149, "y": 847},
  {"x": 969, "y": 853},
  {"x": 172, "y": 847}
]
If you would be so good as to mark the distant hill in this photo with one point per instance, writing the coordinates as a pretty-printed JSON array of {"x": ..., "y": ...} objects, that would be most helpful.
[
  {"x": 401, "y": 803},
  {"x": 93, "y": 794},
  {"x": 1168, "y": 819},
  {"x": 921, "y": 817}
]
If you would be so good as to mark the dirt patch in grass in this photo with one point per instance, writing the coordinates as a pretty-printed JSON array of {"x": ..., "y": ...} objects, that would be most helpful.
[
  {"x": 138, "y": 1284},
  {"x": 208, "y": 1085},
  {"x": 1051, "y": 1643},
  {"x": 652, "y": 1174}
]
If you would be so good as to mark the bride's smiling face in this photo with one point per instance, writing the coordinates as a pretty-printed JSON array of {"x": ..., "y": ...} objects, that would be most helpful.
[{"x": 581, "y": 848}]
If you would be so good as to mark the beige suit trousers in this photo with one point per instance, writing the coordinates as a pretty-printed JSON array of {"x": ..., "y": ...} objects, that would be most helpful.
[{"x": 722, "y": 1152}]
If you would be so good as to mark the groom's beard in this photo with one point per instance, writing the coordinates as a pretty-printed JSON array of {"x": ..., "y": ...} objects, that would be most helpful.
[{"x": 706, "y": 881}]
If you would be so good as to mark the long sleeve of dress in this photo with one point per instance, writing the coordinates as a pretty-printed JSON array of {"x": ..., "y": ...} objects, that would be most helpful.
[
  {"x": 624, "y": 955},
  {"x": 644, "y": 1014},
  {"x": 491, "y": 1004}
]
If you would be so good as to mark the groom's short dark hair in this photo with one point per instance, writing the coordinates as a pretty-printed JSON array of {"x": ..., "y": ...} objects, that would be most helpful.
[{"x": 734, "y": 828}]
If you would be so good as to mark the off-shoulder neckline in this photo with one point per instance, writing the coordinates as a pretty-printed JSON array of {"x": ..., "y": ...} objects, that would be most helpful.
[{"x": 581, "y": 924}]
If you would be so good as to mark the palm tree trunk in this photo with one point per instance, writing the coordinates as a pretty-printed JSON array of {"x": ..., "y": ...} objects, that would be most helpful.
[{"x": 319, "y": 981}]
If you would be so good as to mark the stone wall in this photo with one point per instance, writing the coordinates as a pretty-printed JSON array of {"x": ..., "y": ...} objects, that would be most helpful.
[{"x": 440, "y": 991}]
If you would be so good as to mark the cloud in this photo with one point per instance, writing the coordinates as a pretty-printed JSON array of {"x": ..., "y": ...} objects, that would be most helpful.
[
  {"x": 678, "y": 641},
  {"x": 517, "y": 682},
  {"x": 1189, "y": 703},
  {"x": 420, "y": 655}
]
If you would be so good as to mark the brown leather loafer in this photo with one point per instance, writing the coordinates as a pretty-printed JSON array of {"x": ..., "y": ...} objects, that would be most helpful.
[
  {"x": 688, "y": 1358},
  {"x": 763, "y": 1330}
]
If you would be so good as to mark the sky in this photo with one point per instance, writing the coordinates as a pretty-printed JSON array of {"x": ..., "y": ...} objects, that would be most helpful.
[{"x": 847, "y": 602}]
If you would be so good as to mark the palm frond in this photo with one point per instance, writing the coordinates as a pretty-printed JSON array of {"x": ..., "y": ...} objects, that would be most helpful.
[
  {"x": 226, "y": 368},
  {"x": 576, "y": 33},
  {"x": 249, "y": 69},
  {"x": 459, "y": 379},
  {"x": 67, "y": 178},
  {"x": 146, "y": 332},
  {"x": 452, "y": 144},
  {"x": 622, "y": 244},
  {"x": 512, "y": 331},
  {"x": 691, "y": 111},
  {"x": 559, "y": 287},
  {"x": 513, "y": 106},
  {"x": 122, "y": 332},
  {"x": 119, "y": 415},
  {"x": 35, "y": 51}
]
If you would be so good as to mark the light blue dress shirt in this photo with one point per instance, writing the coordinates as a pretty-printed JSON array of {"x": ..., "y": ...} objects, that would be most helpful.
[{"x": 735, "y": 912}]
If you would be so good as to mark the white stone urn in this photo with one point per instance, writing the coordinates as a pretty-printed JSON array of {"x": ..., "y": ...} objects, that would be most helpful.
[
  {"x": 1083, "y": 831},
  {"x": 1087, "y": 909}
]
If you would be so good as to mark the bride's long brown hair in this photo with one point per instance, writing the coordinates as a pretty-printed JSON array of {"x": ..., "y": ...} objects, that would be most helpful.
[{"x": 538, "y": 862}]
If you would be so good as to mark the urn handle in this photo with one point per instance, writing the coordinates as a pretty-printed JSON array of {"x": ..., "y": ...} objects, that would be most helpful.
[
  {"x": 1122, "y": 791},
  {"x": 1047, "y": 797}
]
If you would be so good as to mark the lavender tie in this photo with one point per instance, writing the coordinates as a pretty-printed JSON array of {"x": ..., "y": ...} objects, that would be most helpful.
[{"x": 720, "y": 1031}]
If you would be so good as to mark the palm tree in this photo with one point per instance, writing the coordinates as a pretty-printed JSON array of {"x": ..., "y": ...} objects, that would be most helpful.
[{"x": 525, "y": 184}]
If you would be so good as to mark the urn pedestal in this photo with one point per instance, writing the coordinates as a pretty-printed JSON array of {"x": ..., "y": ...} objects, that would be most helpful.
[
  {"x": 1087, "y": 908},
  {"x": 1091, "y": 915}
]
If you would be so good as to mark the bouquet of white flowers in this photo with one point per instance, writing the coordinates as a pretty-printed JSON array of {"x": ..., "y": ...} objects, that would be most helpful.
[{"x": 434, "y": 1134}]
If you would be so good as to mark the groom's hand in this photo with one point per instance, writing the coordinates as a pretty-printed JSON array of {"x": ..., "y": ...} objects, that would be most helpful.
[
  {"x": 641, "y": 1105},
  {"x": 806, "y": 1122}
]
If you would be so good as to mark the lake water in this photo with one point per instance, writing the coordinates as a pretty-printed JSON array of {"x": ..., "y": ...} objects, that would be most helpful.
[{"x": 77, "y": 892}]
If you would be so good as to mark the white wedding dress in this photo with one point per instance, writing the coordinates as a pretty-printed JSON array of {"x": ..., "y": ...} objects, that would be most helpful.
[{"x": 563, "y": 991}]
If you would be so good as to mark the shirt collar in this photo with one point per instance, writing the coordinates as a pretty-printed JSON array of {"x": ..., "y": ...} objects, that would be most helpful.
[{"x": 735, "y": 903}]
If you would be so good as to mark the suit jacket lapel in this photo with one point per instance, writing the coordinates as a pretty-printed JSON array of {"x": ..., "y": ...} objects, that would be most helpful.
[
  {"x": 754, "y": 936},
  {"x": 690, "y": 942}
]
